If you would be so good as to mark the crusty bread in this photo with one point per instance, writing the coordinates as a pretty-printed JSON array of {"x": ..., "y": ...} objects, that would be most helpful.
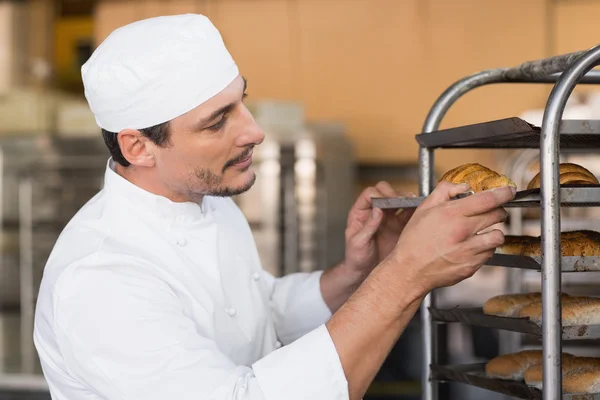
[
  {"x": 570, "y": 365},
  {"x": 480, "y": 178},
  {"x": 515, "y": 245},
  {"x": 512, "y": 305},
  {"x": 574, "y": 243},
  {"x": 582, "y": 381},
  {"x": 509, "y": 305},
  {"x": 569, "y": 174},
  {"x": 576, "y": 310},
  {"x": 513, "y": 365}
]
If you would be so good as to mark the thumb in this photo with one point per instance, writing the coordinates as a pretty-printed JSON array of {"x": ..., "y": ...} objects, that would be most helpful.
[
  {"x": 443, "y": 192},
  {"x": 370, "y": 227}
]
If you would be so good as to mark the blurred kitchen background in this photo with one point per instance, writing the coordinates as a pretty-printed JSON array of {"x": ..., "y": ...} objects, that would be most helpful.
[{"x": 340, "y": 86}]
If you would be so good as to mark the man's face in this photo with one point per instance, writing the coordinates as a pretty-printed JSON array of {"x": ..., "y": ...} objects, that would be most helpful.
[{"x": 210, "y": 151}]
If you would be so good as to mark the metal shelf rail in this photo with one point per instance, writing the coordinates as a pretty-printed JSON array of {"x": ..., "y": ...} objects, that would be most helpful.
[{"x": 565, "y": 71}]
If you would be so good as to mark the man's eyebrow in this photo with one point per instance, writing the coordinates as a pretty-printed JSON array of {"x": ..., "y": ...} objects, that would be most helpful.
[
  {"x": 223, "y": 110},
  {"x": 215, "y": 114}
]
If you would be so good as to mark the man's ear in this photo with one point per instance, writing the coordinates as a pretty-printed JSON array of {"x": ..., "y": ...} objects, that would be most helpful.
[{"x": 136, "y": 148}]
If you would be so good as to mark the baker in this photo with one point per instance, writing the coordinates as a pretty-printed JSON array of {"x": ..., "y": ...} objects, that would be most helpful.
[{"x": 154, "y": 290}]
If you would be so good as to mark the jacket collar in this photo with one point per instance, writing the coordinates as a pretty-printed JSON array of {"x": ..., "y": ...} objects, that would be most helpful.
[{"x": 159, "y": 206}]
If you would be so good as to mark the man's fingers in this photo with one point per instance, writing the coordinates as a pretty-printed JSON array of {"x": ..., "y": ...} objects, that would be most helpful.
[
  {"x": 482, "y": 202},
  {"x": 443, "y": 192},
  {"x": 386, "y": 189},
  {"x": 484, "y": 221},
  {"x": 364, "y": 200},
  {"x": 370, "y": 227},
  {"x": 485, "y": 242}
]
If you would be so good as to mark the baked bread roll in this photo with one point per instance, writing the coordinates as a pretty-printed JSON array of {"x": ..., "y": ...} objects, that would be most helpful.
[
  {"x": 576, "y": 310},
  {"x": 576, "y": 243},
  {"x": 570, "y": 365},
  {"x": 512, "y": 366},
  {"x": 584, "y": 381},
  {"x": 515, "y": 245},
  {"x": 569, "y": 174},
  {"x": 509, "y": 305},
  {"x": 480, "y": 178}
]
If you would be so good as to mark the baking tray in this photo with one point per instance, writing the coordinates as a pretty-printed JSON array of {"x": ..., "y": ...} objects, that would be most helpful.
[
  {"x": 512, "y": 133},
  {"x": 474, "y": 374},
  {"x": 475, "y": 316},
  {"x": 568, "y": 263},
  {"x": 570, "y": 196}
]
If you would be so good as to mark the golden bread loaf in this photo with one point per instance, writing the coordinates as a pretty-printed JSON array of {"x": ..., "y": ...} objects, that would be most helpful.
[
  {"x": 515, "y": 245},
  {"x": 575, "y": 243},
  {"x": 569, "y": 174},
  {"x": 512, "y": 366},
  {"x": 570, "y": 365},
  {"x": 509, "y": 305},
  {"x": 512, "y": 305},
  {"x": 582, "y": 381},
  {"x": 576, "y": 310},
  {"x": 477, "y": 176}
]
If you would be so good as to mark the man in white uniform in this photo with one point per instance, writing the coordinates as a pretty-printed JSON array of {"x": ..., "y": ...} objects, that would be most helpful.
[{"x": 155, "y": 291}]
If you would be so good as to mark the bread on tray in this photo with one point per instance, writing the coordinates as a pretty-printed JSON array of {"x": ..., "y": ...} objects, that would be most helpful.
[
  {"x": 512, "y": 366},
  {"x": 515, "y": 245},
  {"x": 570, "y": 366},
  {"x": 576, "y": 310},
  {"x": 575, "y": 243},
  {"x": 480, "y": 178},
  {"x": 569, "y": 174},
  {"x": 510, "y": 305},
  {"x": 582, "y": 381}
]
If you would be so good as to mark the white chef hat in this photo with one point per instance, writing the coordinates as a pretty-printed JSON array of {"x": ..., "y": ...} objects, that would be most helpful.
[{"x": 156, "y": 69}]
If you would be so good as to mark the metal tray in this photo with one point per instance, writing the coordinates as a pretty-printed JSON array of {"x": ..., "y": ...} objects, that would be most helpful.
[
  {"x": 568, "y": 263},
  {"x": 512, "y": 133},
  {"x": 570, "y": 196},
  {"x": 474, "y": 374},
  {"x": 475, "y": 316}
]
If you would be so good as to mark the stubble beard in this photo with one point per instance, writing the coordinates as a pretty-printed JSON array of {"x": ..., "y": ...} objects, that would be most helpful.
[{"x": 212, "y": 185}]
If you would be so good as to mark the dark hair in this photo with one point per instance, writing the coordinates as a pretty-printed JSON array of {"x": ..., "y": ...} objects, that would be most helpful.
[{"x": 158, "y": 134}]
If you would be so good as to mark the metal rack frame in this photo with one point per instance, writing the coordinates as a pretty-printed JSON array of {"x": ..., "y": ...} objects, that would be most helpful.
[{"x": 565, "y": 71}]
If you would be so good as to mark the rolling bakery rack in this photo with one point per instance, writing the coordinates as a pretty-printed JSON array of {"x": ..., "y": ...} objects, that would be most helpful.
[{"x": 565, "y": 72}]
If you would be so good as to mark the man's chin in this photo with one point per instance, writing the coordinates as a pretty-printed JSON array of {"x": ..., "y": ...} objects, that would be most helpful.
[{"x": 229, "y": 191}]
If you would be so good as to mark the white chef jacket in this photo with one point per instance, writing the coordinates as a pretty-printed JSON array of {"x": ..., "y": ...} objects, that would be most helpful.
[{"x": 144, "y": 298}]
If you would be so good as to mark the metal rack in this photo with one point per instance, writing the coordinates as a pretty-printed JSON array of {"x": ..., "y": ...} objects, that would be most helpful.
[{"x": 565, "y": 71}]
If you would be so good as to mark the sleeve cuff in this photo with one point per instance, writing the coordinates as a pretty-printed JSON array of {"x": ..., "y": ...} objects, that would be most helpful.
[
  {"x": 298, "y": 305},
  {"x": 309, "y": 368}
]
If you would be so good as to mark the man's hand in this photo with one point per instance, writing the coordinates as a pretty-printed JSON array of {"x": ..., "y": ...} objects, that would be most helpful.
[
  {"x": 372, "y": 233},
  {"x": 442, "y": 243}
]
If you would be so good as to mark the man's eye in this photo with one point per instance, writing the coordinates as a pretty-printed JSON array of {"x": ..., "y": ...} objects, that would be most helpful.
[{"x": 218, "y": 125}]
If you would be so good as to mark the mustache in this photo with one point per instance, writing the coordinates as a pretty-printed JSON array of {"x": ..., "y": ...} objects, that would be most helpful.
[{"x": 237, "y": 159}]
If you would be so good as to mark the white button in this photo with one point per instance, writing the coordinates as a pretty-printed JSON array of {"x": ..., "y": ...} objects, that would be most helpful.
[
  {"x": 181, "y": 241},
  {"x": 231, "y": 312},
  {"x": 256, "y": 276},
  {"x": 278, "y": 344}
]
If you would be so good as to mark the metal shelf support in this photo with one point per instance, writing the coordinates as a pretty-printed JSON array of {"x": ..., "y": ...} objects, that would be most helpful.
[
  {"x": 541, "y": 71},
  {"x": 550, "y": 205}
]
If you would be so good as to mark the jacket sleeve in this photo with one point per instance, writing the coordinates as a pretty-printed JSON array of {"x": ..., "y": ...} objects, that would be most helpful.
[
  {"x": 124, "y": 335},
  {"x": 297, "y": 304}
]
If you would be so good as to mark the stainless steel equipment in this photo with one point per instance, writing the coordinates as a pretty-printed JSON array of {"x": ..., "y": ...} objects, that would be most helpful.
[{"x": 566, "y": 71}]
